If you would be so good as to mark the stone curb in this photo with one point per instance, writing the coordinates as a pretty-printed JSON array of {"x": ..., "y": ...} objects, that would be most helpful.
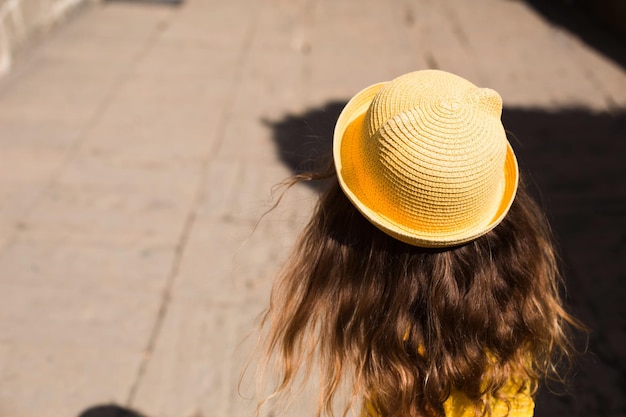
[{"x": 22, "y": 21}]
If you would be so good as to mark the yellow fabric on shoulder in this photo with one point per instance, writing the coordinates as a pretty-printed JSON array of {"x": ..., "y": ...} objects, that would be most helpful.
[
  {"x": 522, "y": 404},
  {"x": 457, "y": 405}
]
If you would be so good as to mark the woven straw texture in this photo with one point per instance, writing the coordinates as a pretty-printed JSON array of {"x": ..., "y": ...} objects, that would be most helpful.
[{"x": 425, "y": 158}]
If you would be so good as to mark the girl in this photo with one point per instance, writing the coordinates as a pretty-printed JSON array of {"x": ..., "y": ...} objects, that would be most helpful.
[{"x": 426, "y": 280}]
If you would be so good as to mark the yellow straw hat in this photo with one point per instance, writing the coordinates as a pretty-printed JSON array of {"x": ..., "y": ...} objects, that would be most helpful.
[{"x": 425, "y": 158}]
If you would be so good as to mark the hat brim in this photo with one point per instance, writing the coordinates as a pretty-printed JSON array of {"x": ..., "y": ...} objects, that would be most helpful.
[{"x": 347, "y": 152}]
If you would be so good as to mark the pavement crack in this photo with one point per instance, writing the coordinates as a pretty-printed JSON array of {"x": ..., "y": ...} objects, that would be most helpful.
[
  {"x": 237, "y": 78},
  {"x": 191, "y": 217},
  {"x": 163, "y": 307}
]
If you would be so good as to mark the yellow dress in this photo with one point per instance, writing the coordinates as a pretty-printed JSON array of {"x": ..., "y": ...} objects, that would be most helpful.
[
  {"x": 457, "y": 405},
  {"x": 522, "y": 405}
]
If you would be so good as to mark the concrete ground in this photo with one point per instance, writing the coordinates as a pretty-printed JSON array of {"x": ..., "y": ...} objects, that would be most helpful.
[{"x": 139, "y": 145}]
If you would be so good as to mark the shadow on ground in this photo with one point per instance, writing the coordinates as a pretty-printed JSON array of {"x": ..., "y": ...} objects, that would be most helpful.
[
  {"x": 305, "y": 141},
  {"x": 595, "y": 24},
  {"x": 576, "y": 159},
  {"x": 109, "y": 411}
]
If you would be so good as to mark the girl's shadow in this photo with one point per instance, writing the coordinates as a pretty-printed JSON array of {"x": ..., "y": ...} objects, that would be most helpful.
[{"x": 304, "y": 142}]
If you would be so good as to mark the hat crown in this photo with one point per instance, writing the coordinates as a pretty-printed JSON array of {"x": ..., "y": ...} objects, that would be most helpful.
[
  {"x": 445, "y": 91},
  {"x": 436, "y": 152}
]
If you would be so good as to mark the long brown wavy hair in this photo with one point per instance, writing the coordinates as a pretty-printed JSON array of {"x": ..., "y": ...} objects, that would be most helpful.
[{"x": 405, "y": 326}]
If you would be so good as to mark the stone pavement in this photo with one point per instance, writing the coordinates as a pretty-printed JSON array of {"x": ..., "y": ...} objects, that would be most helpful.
[{"x": 139, "y": 145}]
